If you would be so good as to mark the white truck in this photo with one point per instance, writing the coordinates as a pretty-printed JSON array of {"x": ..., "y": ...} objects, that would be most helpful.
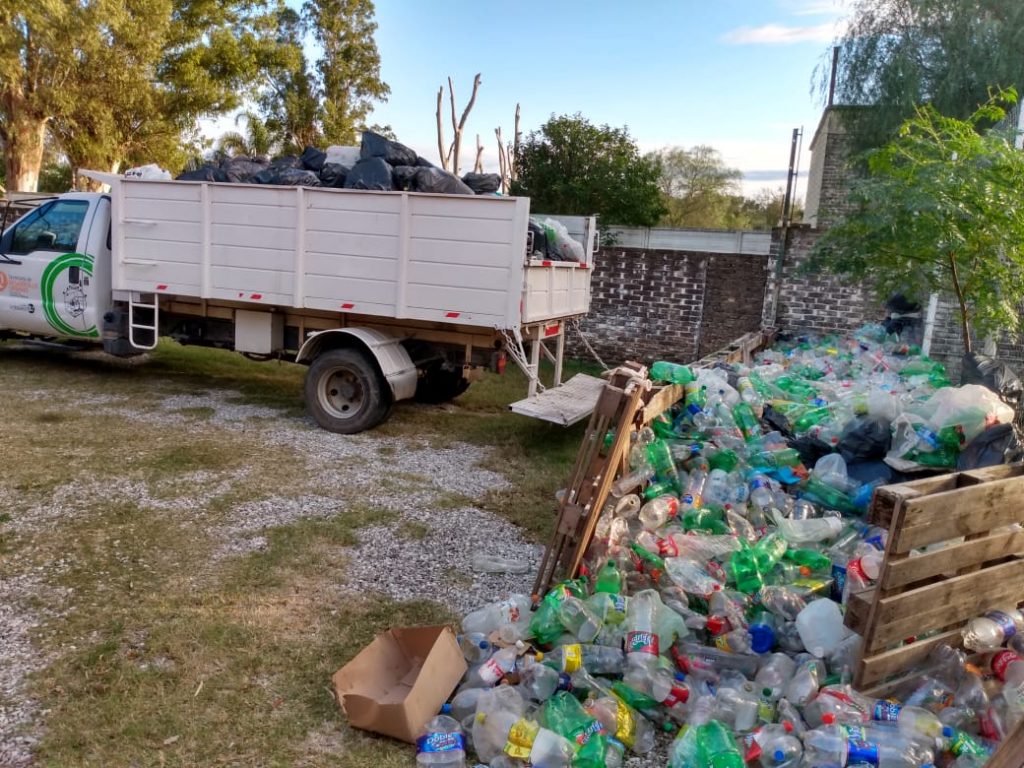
[{"x": 384, "y": 295}]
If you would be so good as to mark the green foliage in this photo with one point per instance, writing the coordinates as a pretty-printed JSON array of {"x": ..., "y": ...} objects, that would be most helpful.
[
  {"x": 55, "y": 178},
  {"x": 696, "y": 187},
  {"x": 256, "y": 141},
  {"x": 897, "y": 54},
  {"x": 326, "y": 101},
  {"x": 939, "y": 211},
  {"x": 571, "y": 166}
]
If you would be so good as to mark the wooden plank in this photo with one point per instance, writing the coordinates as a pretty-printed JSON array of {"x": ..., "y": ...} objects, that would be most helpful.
[
  {"x": 1011, "y": 752},
  {"x": 949, "y": 559},
  {"x": 938, "y": 605},
  {"x": 961, "y": 512},
  {"x": 663, "y": 399},
  {"x": 875, "y": 668},
  {"x": 858, "y": 609}
]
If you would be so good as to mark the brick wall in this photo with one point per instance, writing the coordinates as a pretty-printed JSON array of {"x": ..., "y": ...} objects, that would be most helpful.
[{"x": 650, "y": 304}]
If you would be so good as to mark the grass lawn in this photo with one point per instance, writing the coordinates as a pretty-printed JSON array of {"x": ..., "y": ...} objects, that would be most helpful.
[{"x": 166, "y": 651}]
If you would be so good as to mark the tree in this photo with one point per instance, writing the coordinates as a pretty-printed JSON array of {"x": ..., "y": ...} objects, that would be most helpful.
[
  {"x": 326, "y": 101},
  {"x": 450, "y": 157},
  {"x": 571, "y": 166},
  {"x": 897, "y": 54},
  {"x": 116, "y": 81},
  {"x": 256, "y": 141},
  {"x": 939, "y": 210},
  {"x": 696, "y": 186}
]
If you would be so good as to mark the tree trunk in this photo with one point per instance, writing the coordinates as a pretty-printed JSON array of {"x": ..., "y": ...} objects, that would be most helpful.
[
  {"x": 23, "y": 152},
  {"x": 965, "y": 323}
]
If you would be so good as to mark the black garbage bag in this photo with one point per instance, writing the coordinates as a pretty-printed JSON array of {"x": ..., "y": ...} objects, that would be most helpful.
[
  {"x": 239, "y": 170},
  {"x": 901, "y": 304},
  {"x": 422, "y": 162},
  {"x": 482, "y": 183},
  {"x": 278, "y": 166},
  {"x": 777, "y": 421},
  {"x": 333, "y": 175},
  {"x": 404, "y": 176},
  {"x": 865, "y": 438},
  {"x": 294, "y": 177},
  {"x": 313, "y": 159},
  {"x": 810, "y": 449},
  {"x": 995, "y": 445},
  {"x": 865, "y": 472},
  {"x": 436, "y": 180},
  {"x": 372, "y": 173},
  {"x": 540, "y": 241},
  {"x": 981, "y": 369},
  {"x": 208, "y": 172},
  {"x": 393, "y": 153}
]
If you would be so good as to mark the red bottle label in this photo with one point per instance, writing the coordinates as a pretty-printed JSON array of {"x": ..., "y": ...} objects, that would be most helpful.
[
  {"x": 1001, "y": 661},
  {"x": 642, "y": 642}
]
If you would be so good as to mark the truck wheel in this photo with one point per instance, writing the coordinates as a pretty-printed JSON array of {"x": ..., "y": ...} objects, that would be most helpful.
[
  {"x": 440, "y": 386},
  {"x": 345, "y": 392}
]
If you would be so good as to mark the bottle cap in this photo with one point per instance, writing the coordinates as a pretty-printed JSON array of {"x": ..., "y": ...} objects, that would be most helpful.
[
  {"x": 680, "y": 677},
  {"x": 539, "y": 656},
  {"x": 779, "y": 755},
  {"x": 446, "y": 709},
  {"x": 828, "y": 718},
  {"x": 947, "y": 732},
  {"x": 766, "y": 692},
  {"x": 787, "y": 726}
]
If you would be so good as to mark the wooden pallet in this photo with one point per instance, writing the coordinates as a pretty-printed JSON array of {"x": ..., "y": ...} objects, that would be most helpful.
[
  {"x": 628, "y": 401},
  {"x": 1011, "y": 752},
  {"x": 972, "y": 567}
]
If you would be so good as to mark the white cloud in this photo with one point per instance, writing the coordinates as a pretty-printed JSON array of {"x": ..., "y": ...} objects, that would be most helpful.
[
  {"x": 816, "y": 7},
  {"x": 778, "y": 34}
]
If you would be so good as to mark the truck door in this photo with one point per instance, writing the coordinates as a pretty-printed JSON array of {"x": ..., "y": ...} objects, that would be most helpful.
[{"x": 46, "y": 283}]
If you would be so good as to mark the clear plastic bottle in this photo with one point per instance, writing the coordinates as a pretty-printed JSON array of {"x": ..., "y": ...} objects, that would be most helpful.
[
  {"x": 693, "y": 495},
  {"x": 510, "y": 617},
  {"x": 991, "y": 630},
  {"x": 779, "y": 747},
  {"x": 659, "y": 511},
  {"x": 623, "y": 723},
  {"x": 775, "y": 673},
  {"x": 821, "y": 627},
  {"x": 809, "y": 530},
  {"x": 577, "y": 617},
  {"x": 496, "y": 667},
  {"x": 441, "y": 744},
  {"x": 475, "y": 647},
  {"x": 483, "y": 563},
  {"x": 598, "y": 660}
]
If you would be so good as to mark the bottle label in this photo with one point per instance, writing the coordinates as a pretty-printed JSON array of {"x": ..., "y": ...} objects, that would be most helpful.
[
  {"x": 510, "y": 612},
  {"x": 886, "y": 711},
  {"x": 962, "y": 744},
  {"x": 861, "y": 752},
  {"x": 520, "y": 739},
  {"x": 1005, "y": 622},
  {"x": 838, "y": 582},
  {"x": 679, "y": 694},
  {"x": 583, "y": 736},
  {"x": 572, "y": 657},
  {"x": 668, "y": 548},
  {"x": 619, "y": 603},
  {"x": 642, "y": 642},
  {"x": 691, "y": 499},
  {"x": 857, "y": 732},
  {"x": 757, "y": 483},
  {"x": 564, "y": 682},
  {"x": 1001, "y": 661},
  {"x": 855, "y": 568},
  {"x": 625, "y": 724},
  {"x": 491, "y": 672},
  {"x": 441, "y": 742}
]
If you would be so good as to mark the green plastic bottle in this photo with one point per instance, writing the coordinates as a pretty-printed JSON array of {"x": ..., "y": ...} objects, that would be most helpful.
[
  {"x": 706, "y": 520},
  {"x": 660, "y": 488},
  {"x": 797, "y": 389},
  {"x": 652, "y": 561},
  {"x": 816, "y": 561},
  {"x": 812, "y": 418},
  {"x": 829, "y": 496},
  {"x": 672, "y": 372},
  {"x": 564, "y": 715},
  {"x": 743, "y": 569},
  {"x": 786, "y": 457},
  {"x": 769, "y": 550},
  {"x": 746, "y": 421},
  {"x": 660, "y": 457},
  {"x": 545, "y": 626},
  {"x": 717, "y": 747},
  {"x": 609, "y": 579},
  {"x": 724, "y": 459}
]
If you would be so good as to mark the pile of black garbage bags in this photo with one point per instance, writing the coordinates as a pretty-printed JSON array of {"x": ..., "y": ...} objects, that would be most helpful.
[{"x": 381, "y": 164}]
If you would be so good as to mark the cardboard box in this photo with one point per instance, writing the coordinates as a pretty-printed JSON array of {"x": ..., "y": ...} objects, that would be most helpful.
[{"x": 400, "y": 680}]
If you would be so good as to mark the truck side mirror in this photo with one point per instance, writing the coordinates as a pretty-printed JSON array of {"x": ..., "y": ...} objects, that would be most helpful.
[{"x": 74, "y": 275}]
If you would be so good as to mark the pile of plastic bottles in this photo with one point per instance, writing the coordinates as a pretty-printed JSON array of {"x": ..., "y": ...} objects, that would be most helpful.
[{"x": 711, "y": 604}]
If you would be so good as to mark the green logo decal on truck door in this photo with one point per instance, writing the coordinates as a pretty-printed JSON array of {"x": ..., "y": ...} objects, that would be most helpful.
[{"x": 61, "y": 315}]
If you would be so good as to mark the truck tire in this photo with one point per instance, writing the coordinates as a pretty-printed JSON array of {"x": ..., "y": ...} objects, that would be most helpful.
[
  {"x": 345, "y": 392},
  {"x": 439, "y": 385}
]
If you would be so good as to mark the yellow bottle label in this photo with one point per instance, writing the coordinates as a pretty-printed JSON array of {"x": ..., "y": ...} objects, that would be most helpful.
[
  {"x": 572, "y": 658},
  {"x": 520, "y": 739},
  {"x": 625, "y": 724}
]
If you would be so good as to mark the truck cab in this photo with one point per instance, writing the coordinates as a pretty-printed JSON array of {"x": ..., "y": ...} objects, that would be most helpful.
[{"x": 55, "y": 269}]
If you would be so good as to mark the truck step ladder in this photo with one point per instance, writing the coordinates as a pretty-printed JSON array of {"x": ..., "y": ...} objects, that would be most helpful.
[
  {"x": 566, "y": 404},
  {"x": 147, "y": 324}
]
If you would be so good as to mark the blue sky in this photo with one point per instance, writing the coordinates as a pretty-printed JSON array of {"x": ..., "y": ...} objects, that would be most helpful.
[{"x": 735, "y": 74}]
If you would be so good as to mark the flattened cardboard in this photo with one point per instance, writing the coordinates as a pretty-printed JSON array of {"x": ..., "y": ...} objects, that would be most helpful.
[{"x": 400, "y": 680}]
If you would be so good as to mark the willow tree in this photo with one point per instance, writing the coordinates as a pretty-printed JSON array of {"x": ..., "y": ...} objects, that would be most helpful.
[
  {"x": 939, "y": 211},
  {"x": 896, "y": 54}
]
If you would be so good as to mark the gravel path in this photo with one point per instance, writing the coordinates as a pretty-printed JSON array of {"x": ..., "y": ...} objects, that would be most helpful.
[{"x": 435, "y": 567}]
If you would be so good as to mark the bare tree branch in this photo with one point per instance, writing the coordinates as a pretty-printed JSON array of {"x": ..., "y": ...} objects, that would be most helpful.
[
  {"x": 440, "y": 131},
  {"x": 478, "y": 166}
]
